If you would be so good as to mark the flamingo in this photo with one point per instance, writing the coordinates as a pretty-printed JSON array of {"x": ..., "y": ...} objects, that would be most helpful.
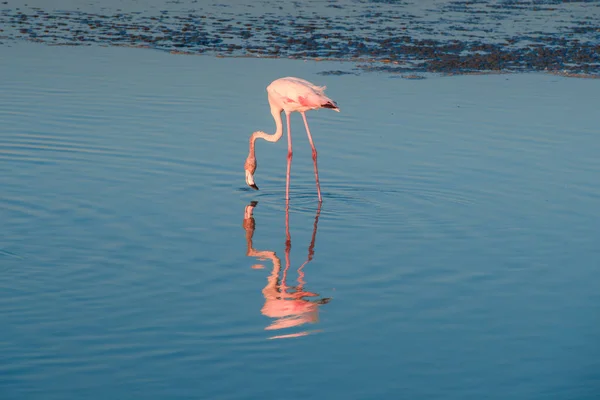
[{"x": 289, "y": 95}]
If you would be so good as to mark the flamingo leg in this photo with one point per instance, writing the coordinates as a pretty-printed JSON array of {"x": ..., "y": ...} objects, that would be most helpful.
[
  {"x": 289, "y": 157},
  {"x": 314, "y": 155}
]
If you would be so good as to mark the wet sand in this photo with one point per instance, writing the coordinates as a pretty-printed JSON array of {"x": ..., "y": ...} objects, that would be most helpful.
[{"x": 402, "y": 37}]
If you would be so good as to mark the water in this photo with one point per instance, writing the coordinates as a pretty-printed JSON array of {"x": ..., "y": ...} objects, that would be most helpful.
[{"x": 455, "y": 255}]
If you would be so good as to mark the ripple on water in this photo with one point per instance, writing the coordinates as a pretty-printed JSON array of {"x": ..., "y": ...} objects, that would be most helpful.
[
  {"x": 339, "y": 197},
  {"x": 47, "y": 149},
  {"x": 133, "y": 258}
]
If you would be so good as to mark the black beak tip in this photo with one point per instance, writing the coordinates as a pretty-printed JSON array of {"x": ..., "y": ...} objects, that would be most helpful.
[{"x": 253, "y": 186}]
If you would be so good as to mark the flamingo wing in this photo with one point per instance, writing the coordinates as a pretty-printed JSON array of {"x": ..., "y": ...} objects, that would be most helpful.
[{"x": 298, "y": 94}]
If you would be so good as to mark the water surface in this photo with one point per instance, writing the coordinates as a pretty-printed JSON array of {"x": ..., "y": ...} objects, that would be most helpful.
[{"x": 455, "y": 254}]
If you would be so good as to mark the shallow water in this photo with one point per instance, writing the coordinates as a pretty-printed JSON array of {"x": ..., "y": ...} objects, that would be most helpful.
[{"x": 455, "y": 254}]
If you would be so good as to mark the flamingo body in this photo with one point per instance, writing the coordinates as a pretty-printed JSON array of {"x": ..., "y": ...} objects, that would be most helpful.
[
  {"x": 288, "y": 95},
  {"x": 294, "y": 94}
]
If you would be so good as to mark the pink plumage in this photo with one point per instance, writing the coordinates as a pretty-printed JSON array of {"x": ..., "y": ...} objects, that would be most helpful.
[
  {"x": 288, "y": 95},
  {"x": 295, "y": 94}
]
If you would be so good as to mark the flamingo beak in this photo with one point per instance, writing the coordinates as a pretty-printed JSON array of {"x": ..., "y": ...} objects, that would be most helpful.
[{"x": 250, "y": 180}]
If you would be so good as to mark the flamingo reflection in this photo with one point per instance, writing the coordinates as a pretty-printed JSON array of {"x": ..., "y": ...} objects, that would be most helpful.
[{"x": 289, "y": 306}]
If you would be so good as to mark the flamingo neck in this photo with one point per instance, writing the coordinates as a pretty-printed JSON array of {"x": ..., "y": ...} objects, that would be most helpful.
[{"x": 263, "y": 135}]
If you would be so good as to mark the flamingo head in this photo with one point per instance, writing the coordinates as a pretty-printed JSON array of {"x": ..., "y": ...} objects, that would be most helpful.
[{"x": 250, "y": 167}]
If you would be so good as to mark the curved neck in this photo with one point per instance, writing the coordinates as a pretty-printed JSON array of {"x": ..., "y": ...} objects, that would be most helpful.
[{"x": 263, "y": 135}]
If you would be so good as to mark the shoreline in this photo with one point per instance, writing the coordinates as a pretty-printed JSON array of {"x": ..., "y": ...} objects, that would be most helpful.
[
  {"x": 453, "y": 39},
  {"x": 368, "y": 66}
]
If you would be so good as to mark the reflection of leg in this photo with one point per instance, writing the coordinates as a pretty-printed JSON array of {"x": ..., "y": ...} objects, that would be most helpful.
[
  {"x": 288, "y": 244},
  {"x": 289, "y": 157},
  {"x": 311, "y": 253},
  {"x": 311, "y": 247}
]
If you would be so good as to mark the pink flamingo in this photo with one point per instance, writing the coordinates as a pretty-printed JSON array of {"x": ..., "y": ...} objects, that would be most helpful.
[{"x": 289, "y": 95}]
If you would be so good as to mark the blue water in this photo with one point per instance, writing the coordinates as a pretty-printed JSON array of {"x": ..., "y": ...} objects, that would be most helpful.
[{"x": 455, "y": 255}]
